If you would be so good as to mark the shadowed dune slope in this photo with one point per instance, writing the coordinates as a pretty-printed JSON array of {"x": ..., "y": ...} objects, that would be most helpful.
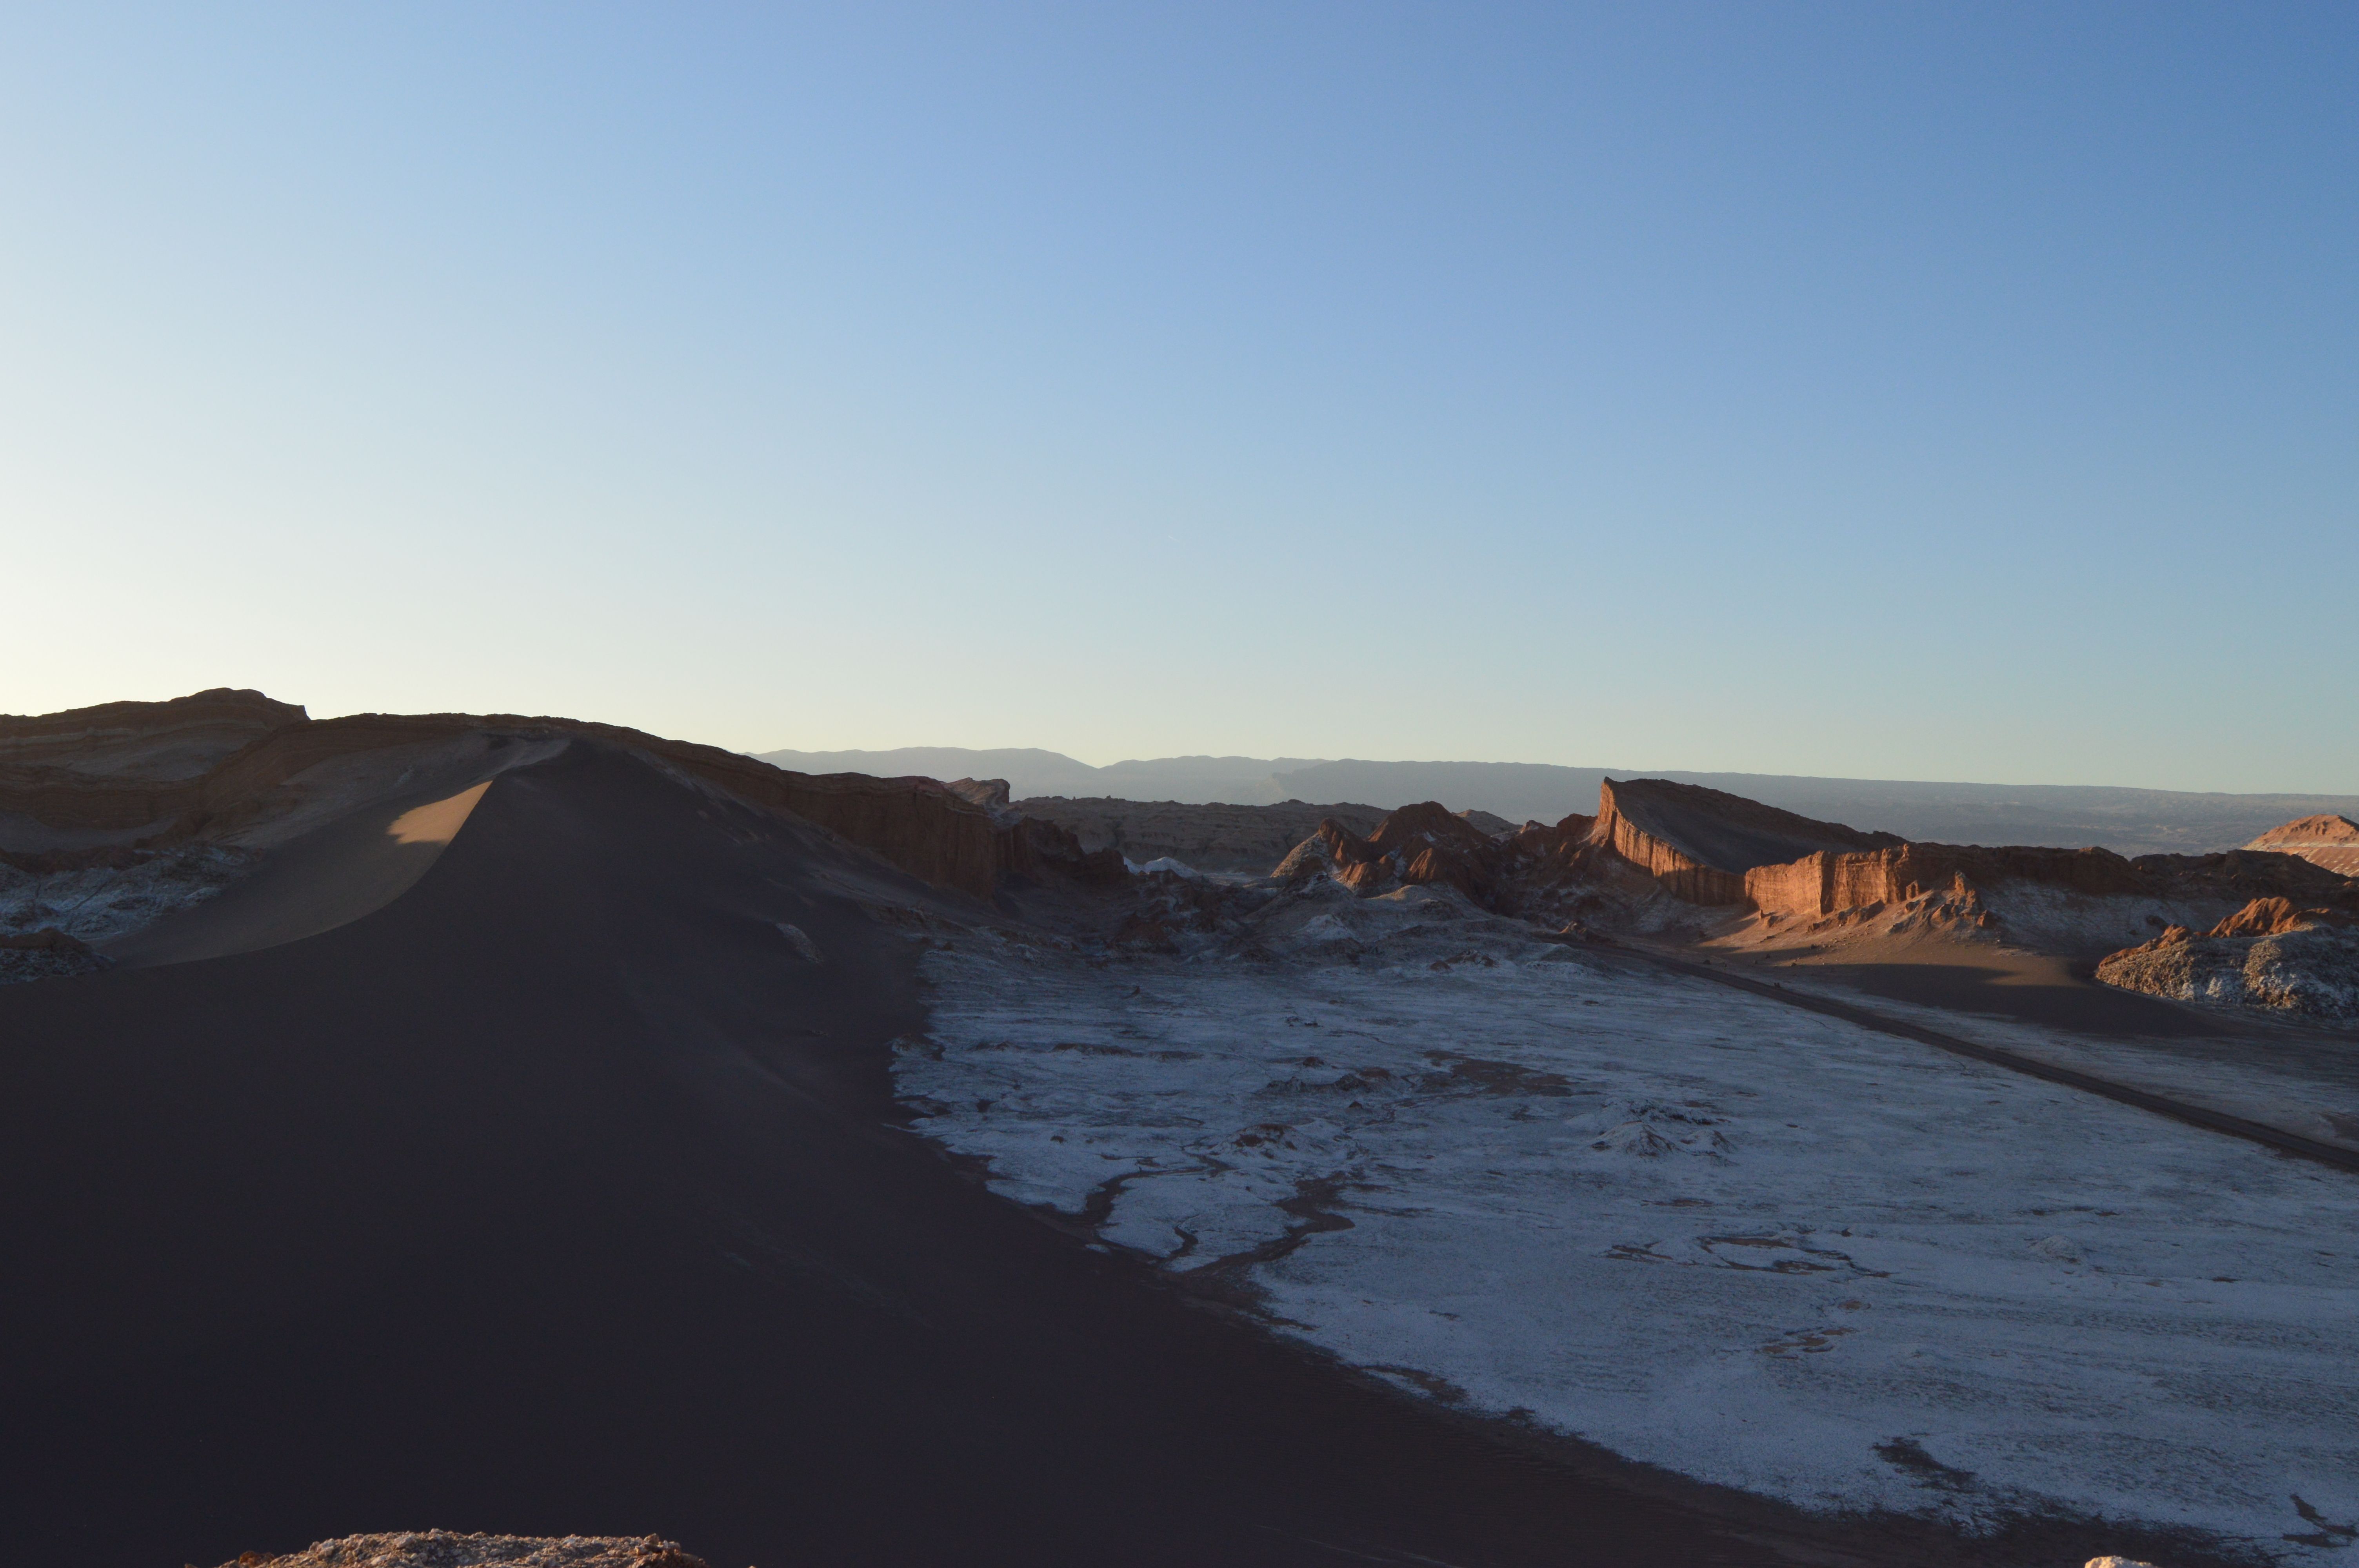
[
  {"x": 559, "y": 1194},
  {"x": 337, "y": 873}
]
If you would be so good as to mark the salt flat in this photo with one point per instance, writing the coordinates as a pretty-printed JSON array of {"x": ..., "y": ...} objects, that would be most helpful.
[{"x": 1759, "y": 1247}]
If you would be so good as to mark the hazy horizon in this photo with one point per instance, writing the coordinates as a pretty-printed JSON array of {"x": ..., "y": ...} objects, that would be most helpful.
[
  {"x": 1945, "y": 393},
  {"x": 1629, "y": 770}
]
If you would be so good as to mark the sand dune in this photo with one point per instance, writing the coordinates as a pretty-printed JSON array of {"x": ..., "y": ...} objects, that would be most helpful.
[{"x": 559, "y": 1193}]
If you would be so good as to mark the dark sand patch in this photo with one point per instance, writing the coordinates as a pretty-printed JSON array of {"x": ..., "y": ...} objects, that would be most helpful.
[{"x": 2036, "y": 990}]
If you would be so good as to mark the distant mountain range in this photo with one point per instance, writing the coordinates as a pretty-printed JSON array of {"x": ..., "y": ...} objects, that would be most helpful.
[{"x": 2130, "y": 821}]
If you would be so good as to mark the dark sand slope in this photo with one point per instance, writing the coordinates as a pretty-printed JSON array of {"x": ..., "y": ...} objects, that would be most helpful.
[{"x": 556, "y": 1195}]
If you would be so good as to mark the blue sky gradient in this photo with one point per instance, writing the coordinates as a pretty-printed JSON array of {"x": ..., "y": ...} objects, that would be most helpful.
[{"x": 1939, "y": 392}]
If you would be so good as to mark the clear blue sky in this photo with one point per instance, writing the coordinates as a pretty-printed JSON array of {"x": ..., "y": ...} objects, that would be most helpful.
[{"x": 1906, "y": 391}]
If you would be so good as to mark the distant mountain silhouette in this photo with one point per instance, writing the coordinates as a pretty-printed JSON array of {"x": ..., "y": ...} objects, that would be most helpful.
[{"x": 2128, "y": 821}]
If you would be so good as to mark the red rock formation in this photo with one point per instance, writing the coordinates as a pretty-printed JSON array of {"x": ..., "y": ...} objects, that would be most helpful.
[
  {"x": 1700, "y": 843},
  {"x": 2328, "y": 841}
]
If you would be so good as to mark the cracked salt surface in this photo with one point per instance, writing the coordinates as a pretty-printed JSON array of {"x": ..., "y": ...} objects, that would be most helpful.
[{"x": 1759, "y": 1247}]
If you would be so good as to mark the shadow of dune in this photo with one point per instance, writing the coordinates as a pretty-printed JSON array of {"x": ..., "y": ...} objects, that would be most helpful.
[{"x": 2053, "y": 996}]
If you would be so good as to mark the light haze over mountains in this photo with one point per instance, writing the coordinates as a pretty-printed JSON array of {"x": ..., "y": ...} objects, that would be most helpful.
[{"x": 2129, "y": 821}]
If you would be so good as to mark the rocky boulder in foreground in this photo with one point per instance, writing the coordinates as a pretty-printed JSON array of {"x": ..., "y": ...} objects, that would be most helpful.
[
  {"x": 2269, "y": 954},
  {"x": 449, "y": 1549}
]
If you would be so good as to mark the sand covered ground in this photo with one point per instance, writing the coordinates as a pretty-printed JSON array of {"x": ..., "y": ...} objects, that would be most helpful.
[{"x": 1765, "y": 1249}]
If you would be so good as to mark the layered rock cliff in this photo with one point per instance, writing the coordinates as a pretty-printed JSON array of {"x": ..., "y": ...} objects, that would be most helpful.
[{"x": 1700, "y": 843}]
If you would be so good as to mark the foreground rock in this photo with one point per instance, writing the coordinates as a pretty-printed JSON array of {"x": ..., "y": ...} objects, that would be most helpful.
[
  {"x": 2267, "y": 955},
  {"x": 448, "y": 1549}
]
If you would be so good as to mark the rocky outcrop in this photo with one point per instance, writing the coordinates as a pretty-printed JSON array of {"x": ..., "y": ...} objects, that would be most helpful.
[
  {"x": 2268, "y": 955},
  {"x": 920, "y": 825},
  {"x": 448, "y": 1549},
  {"x": 2328, "y": 841},
  {"x": 1416, "y": 846},
  {"x": 1700, "y": 843},
  {"x": 989, "y": 793}
]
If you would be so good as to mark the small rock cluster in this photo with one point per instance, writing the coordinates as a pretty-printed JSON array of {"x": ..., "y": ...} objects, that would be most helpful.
[{"x": 450, "y": 1548}]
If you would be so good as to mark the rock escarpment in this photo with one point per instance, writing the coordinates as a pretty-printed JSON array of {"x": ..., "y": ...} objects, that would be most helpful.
[
  {"x": 2328, "y": 841},
  {"x": 447, "y": 1549},
  {"x": 1700, "y": 843}
]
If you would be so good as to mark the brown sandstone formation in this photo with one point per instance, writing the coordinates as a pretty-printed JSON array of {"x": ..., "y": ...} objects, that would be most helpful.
[
  {"x": 1824, "y": 884},
  {"x": 449, "y": 1549},
  {"x": 1700, "y": 843},
  {"x": 2328, "y": 841},
  {"x": 920, "y": 825}
]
